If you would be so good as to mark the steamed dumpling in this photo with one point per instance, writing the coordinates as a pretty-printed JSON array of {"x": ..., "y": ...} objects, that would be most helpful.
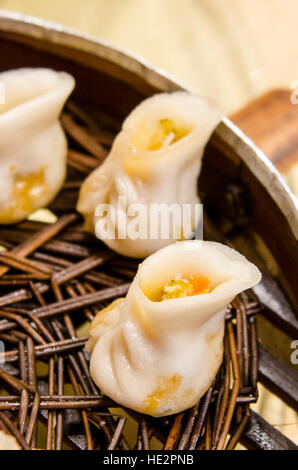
[
  {"x": 157, "y": 350},
  {"x": 155, "y": 159},
  {"x": 33, "y": 146}
]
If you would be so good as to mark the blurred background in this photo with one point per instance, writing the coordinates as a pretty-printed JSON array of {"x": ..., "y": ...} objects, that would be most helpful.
[{"x": 234, "y": 50}]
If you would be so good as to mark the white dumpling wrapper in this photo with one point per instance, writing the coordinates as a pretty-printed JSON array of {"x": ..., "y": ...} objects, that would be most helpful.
[
  {"x": 33, "y": 145},
  {"x": 8, "y": 442},
  {"x": 159, "y": 358},
  {"x": 167, "y": 175}
]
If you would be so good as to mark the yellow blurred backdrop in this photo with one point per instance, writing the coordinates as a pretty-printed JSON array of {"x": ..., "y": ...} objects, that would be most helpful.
[
  {"x": 233, "y": 50},
  {"x": 253, "y": 43}
]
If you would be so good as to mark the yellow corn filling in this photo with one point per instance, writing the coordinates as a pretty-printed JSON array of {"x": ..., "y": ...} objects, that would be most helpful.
[
  {"x": 166, "y": 134},
  {"x": 185, "y": 288},
  {"x": 164, "y": 392},
  {"x": 24, "y": 197}
]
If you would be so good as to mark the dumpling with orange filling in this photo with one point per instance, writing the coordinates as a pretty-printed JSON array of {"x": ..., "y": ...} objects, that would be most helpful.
[
  {"x": 158, "y": 349},
  {"x": 155, "y": 160}
]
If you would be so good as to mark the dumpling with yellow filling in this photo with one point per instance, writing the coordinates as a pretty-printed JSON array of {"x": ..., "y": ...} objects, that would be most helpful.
[
  {"x": 33, "y": 146},
  {"x": 154, "y": 160},
  {"x": 158, "y": 349}
]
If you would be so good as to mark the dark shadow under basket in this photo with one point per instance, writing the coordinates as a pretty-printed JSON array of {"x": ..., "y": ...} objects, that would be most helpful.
[{"x": 54, "y": 277}]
